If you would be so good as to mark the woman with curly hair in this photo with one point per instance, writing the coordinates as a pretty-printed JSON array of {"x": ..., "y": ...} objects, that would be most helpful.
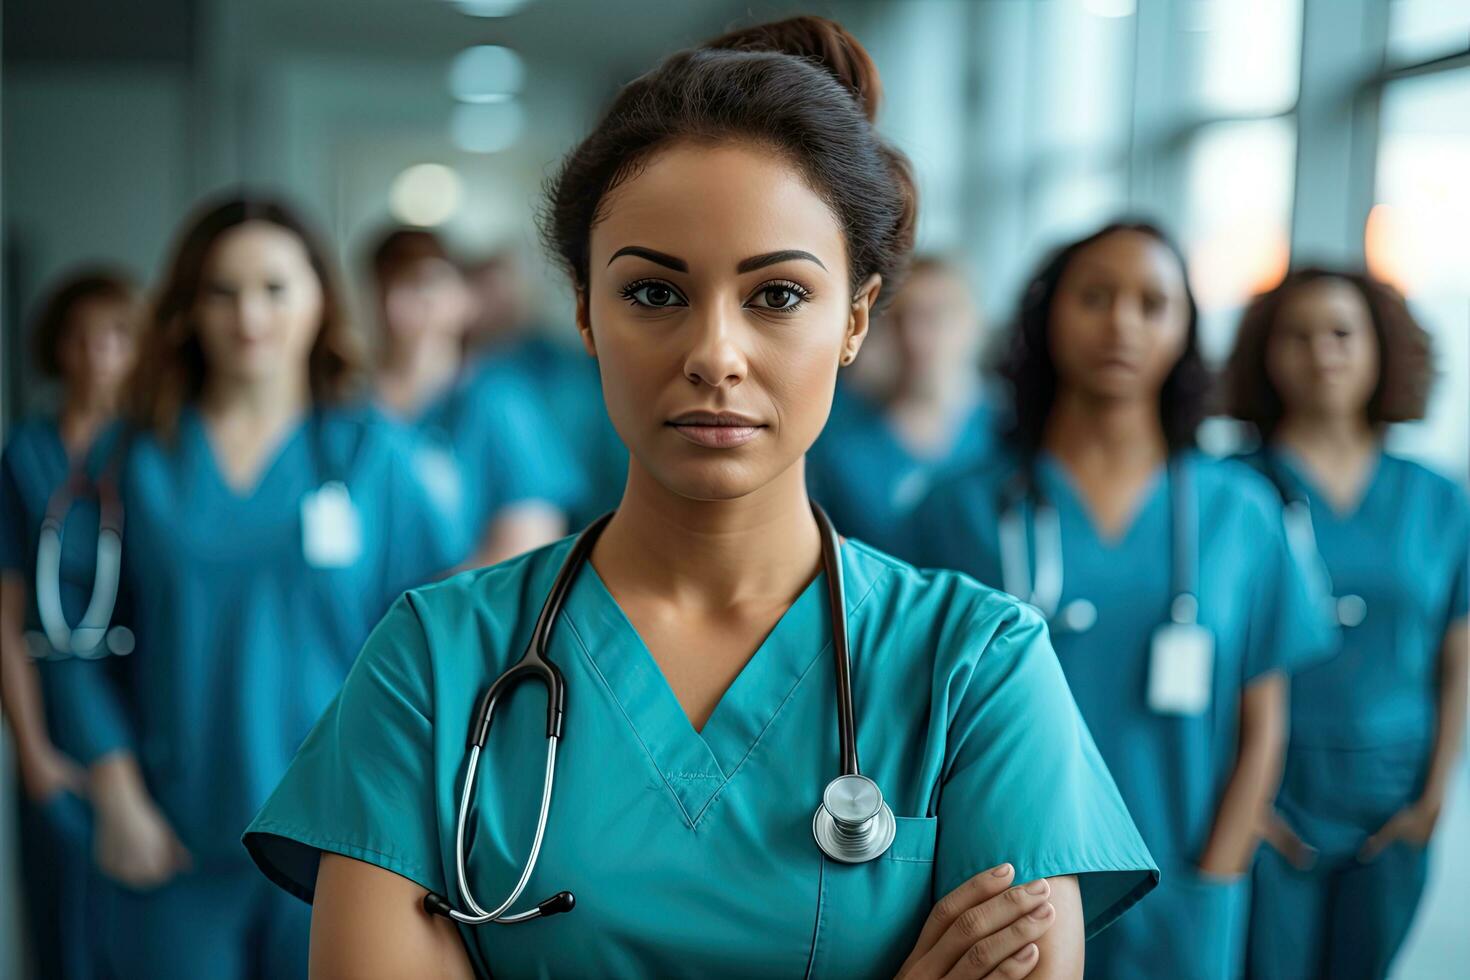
[
  {"x": 1323, "y": 365},
  {"x": 1174, "y": 604}
]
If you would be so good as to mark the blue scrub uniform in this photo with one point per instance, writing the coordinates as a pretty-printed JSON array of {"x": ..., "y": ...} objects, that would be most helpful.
[
  {"x": 55, "y": 834},
  {"x": 690, "y": 853},
  {"x": 861, "y": 472},
  {"x": 487, "y": 443},
  {"x": 1170, "y": 768},
  {"x": 1363, "y": 724},
  {"x": 571, "y": 389},
  {"x": 248, "y": 609}
]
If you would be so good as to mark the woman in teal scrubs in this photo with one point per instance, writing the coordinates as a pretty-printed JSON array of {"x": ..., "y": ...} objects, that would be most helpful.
[
  {"x": 876, "y": 456},
  {"x": 484, "y": 445},
  {"x": 1323, "y": 364},
  {"x": 721, "y": 282},
  {"x": 84, "y": 338},
  {"x": 268, "y": 526},
  {"x": 1174, "y": 604}
]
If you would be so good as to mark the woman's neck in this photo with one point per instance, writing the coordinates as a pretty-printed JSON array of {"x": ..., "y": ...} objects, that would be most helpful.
[
  {"x": 925, "y": 416},
  {"x": 83, "y": 414},
  {"x": 1326, "y": 435},
  {"x": 1118, "y": 433},
  {"x": 711, "y": 554},
  {"x": 413, "y": 372},
  {"x": 265, "y": 403}
]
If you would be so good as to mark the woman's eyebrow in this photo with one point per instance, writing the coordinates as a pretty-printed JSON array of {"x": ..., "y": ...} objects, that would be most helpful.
[
  {"x": 771, "y": 258},
  {"x": 669, "y": 261}
]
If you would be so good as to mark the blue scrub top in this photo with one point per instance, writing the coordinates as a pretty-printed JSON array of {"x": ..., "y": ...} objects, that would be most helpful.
[
  {"x": 869, "y": 482},
  {"x": 571, "y": 389},
  {"x": 1404, "y": 549},
  {"x": 1253, "y": 597},
  {"x": 503, "y": 448},
  {"x": 241, "y": 640},
  {"x": 691, "y": 853}
]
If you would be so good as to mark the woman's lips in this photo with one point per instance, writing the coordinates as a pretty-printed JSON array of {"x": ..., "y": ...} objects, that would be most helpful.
[{"x": 716, "y": 430}]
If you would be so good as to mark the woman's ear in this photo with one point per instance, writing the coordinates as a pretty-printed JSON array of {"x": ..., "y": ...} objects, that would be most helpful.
[
  {"x": 584, "y": 324},
  {"x": 859, "y": 317}
]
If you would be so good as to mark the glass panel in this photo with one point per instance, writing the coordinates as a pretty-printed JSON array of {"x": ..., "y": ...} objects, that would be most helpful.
[
  {"x": 1416, "y": 238},
  {"x": 1419, "y": 30},
  {"x": 1241, "y": 56},
  {"x": 1237, "y": 221}
]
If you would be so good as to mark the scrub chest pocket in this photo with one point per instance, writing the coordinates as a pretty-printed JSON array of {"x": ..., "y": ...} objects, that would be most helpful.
[{"x": 869, "y": 915}]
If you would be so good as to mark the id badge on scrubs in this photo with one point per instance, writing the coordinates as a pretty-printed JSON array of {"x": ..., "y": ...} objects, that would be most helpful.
[
  {"x": 1181, "y": 668},
  {"x": 439, "y": 473},
  {"x": 331, "y": 531}
]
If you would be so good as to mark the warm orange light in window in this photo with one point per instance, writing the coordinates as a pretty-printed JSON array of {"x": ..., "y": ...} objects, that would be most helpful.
[
  {"x": 1236, "y": 261},
  {"x": 1388, "y": 247}
]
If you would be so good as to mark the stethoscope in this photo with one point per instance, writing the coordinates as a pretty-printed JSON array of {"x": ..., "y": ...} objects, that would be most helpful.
[
  {"x": 852, "y": 824},
  {"x": 92, "y": 637},
  {"x": 1042, "y": 587},
  {"x": 1346, "y": 610}
]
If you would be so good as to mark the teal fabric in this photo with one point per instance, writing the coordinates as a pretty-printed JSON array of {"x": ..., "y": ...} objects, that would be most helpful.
[
  {"x": 869, "y": 482},
  {"x": 1363, "y": 723},
  {"x": 570, "y": 387},
  {"x": 241, "y": 643},
  {"x": 1171, "y": 769},
  {"x": 691, "y": 853},
  {"x": 490, "y": 442}
]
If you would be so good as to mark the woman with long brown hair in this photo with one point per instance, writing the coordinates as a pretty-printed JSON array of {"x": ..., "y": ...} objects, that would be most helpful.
[{"x": 268, "y": 525}]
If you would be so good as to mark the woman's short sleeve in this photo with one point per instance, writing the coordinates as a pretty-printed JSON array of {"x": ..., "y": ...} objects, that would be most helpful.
[
  {"x": 362, "y": 783},
  {"x": 1025, "y": 784}
]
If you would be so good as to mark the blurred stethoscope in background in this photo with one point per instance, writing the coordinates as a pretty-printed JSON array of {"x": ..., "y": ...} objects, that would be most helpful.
[
  {"x": 93, "y": 636},
  {"x": 852, "y": 823},
  {"x": 1026, "y": 508},
  {"x": 1347, "y": 610}
]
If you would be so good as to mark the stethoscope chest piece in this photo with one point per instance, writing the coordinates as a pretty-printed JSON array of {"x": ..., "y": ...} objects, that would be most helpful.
[{"x": 853, "y": 824}]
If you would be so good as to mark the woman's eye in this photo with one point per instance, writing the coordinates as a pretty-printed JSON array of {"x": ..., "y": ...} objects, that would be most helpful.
[
  {"x": 778, "y": 296},
  {"x": 654, "y": 294},
  {"x": 1095, "y": 299}
]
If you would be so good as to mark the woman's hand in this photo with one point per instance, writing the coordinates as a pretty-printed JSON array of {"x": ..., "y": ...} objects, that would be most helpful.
[
  {"x": 133, "y": 843},
  {"x": 1413, "y": 825},
  {"x": 46, "y": 771},
  {"x": 1285, "y": 841},
  {"x": 984, "y": 928}
]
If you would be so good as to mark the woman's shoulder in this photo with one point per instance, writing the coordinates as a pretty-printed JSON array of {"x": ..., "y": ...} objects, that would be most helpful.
[
  {"x": 1234, "y": 486},
  {"x": 938, "y": 612},
  {"x": 1415, "y": 478}
]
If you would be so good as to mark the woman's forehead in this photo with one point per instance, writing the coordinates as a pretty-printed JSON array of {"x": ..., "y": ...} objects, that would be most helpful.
[{"x": 715, "y": 204}]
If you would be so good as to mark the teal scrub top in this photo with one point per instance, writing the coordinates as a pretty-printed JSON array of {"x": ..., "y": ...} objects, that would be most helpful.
[
  {"x": 571, "y": 389},
  {"x": 691, "y": 853},
  {"x": 241, "y": 640},
  {"x": 869, "y": 481},
  {"x": 33, "y": 466},
  {"x": 1253, "y": 597},
  {"x": 490, "y": 442},
  {"x": 1405, "y": 550}
]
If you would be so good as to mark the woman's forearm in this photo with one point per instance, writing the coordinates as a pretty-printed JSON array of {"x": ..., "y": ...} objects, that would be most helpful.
[
  {"x": 1254, "y": 781},
  {"x": 1449, "y": 729},
  {"x": 20, "y": 688}
]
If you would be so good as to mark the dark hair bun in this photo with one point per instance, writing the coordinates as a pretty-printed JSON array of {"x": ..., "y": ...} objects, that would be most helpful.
[{"x": 819, "y": 40}]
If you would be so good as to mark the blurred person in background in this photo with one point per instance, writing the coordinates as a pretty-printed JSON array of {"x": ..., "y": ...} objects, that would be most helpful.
[
  {"x": 485, "y": 447},
  {"x": 506, "y": 331},
  {"x": 1174, "y": 604},
  {"x": 268, "y": 524},
  {"x": 84, "y": 340},
  {"x": 873, "y": 461},
  {"x": 727, "y": 227},
  {"x": 1323, "y": 365}
]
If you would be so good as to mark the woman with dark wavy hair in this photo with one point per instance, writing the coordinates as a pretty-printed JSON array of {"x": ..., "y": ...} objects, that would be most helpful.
[
  {"x": 1174, "y": 604},
  {"x": 1323, "y": 365},
  {"x": 268, "y": 524},
  {"x": 728, "y": 227}
]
